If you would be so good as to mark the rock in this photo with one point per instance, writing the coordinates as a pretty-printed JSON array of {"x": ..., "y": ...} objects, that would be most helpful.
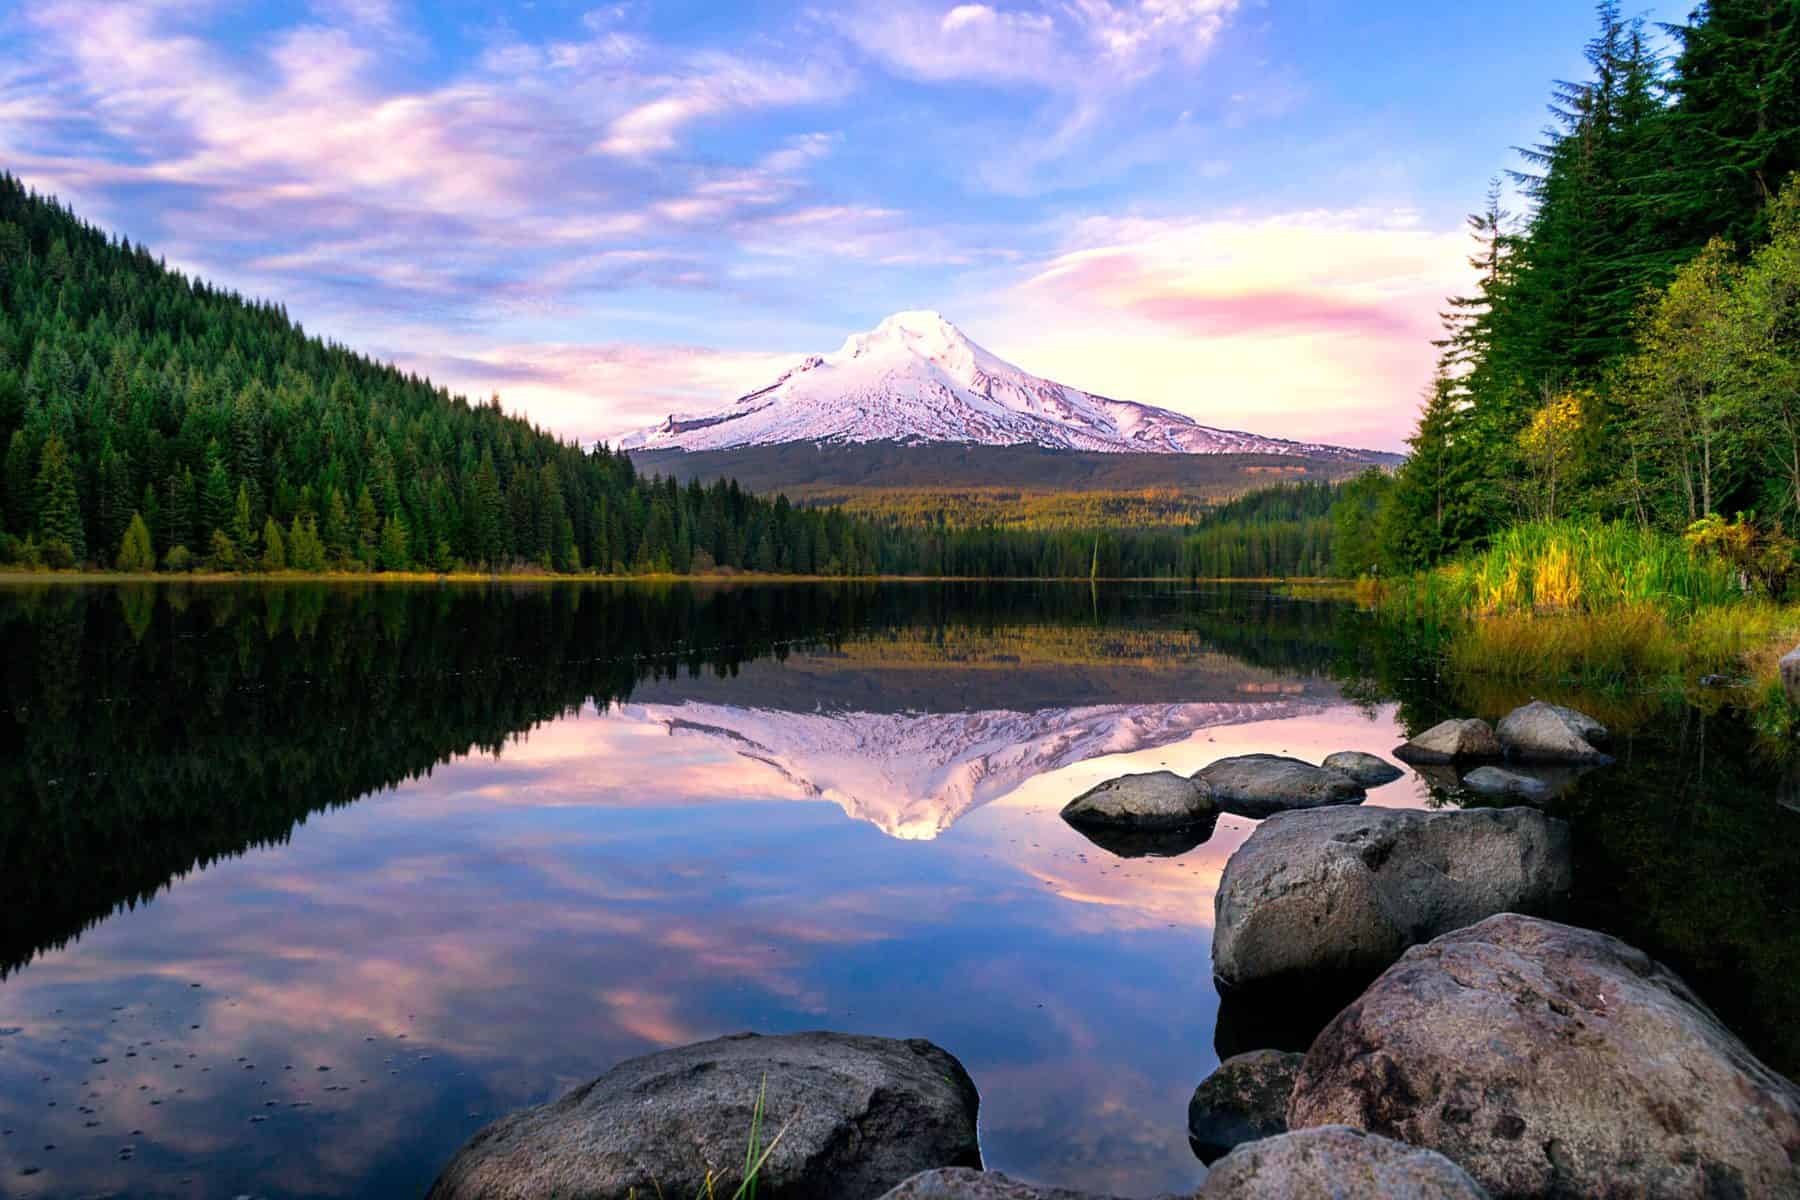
[
  {"x": 1349, "y": 889},
  {"x": 1539, "y": 732},
  {"x": 962, "y": 1183},
  {"x": 1246, "y": 1098},
  {"x": 1284, "y": 1013},
  {"x": 1158, "y": 800},
  {"x": 1336, "y": 1163},
  {"x": 1790, "y": 675},
  {"x": 1588, "y": 727},
  {"x": 1255, "y": 785},
  {"x": 1448, "y": 741},
  {"x": 1553, "y": 1061},
  {"x": 861, "y": 1114},
  {"x": 1501, "y": 784},
  {"x": 1149, "y": 843},
  {"x": 1369, "y": 770}
]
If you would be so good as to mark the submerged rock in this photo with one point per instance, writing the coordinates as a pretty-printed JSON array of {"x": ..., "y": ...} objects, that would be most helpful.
[
  {"x": 1157, "y": 800},
  {"x": 1244, "y": 1099},
  {"x": 1149, "y": 843},
  {"x": 962, "y": 1183},
  {"x": 1540, "y": 732},
  {"x": 1553, "y": 1061},
  {"x": 860, "y": 1115},
  {"x": 1336, "y": 1163},
  {"x": 1448, "y": 741},
  {"x": 1256, "y": 785},
  {"x": 1502, "y": 784},
  {"x": 1369, "y": 770},
  {"x": 1349, "y": 889}
]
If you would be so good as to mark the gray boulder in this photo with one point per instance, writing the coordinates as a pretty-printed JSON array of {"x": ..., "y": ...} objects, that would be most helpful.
[
  {"x": 1349, "y": 889},
  {"x": 1370, "y": 770},
  {"x": 1498, "y": 783},
  {"x": 1246, "y": 1098},
  {"x": 962, "y": 1183},
  {"x": 1157, "y": 800},
  {"x": 1255, "y": 785},
  {"x": 860, "y": 1115},
  {"x": 1336, "y": 1163},
  {"x": 1540, "y": 732},
  {"x": 1789, "y": 666},
  {"x": 1448, "y": 741},
  {"x": 1553, "y": 1061}
]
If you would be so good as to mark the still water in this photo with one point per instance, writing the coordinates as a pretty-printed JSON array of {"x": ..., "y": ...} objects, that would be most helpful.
[{"x": 301, "y": 886}]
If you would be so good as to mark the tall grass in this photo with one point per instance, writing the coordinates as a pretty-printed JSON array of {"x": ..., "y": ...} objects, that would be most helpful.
[
  {"x": 1569, "y": 567},
  {"x": 1598, "y": 605}
]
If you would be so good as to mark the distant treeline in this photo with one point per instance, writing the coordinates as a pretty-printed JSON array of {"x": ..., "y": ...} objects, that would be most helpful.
[{"x": 1631, "y": 350}]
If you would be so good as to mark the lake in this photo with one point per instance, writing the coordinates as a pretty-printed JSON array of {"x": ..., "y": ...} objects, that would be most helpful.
[{"x": 302, "y": 885}]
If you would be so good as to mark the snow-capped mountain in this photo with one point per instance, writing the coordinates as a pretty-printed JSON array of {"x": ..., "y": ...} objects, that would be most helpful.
[
  {"x": 913, "y": 774},
  {"x": 916, "y": 378}
]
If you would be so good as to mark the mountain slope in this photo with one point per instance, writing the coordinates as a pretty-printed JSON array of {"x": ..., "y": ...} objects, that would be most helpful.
[{"x": 916, "y": 379}]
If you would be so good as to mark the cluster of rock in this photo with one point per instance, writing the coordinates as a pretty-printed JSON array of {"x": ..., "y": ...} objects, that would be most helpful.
[
  {"x": 1545, "y": 748},
  {"x": 1170, "y": 811},
  {"x": 1496, "y": 1052}
]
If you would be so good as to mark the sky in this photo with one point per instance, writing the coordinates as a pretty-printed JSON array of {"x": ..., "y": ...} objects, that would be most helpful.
[{"x": 1248, "y": 211}]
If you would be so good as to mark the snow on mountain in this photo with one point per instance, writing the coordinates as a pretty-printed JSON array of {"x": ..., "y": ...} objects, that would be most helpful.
[
  {"x": 916, "y": 378},
  {"x": 913, "y": 774}
]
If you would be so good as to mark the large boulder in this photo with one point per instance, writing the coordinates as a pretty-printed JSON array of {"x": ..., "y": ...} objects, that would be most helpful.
[
  {"x": 1450, "y": 741},
  {"x": 1370, "y": 770},
  {"x": 855, "y": 1115},
  {"x": 1246, "y": 1098},
  {"x": 1157, "y": 800},
  {"x": 1256, "y": 785},
  {"x": 1336, "y": 1163},
  {"x": 963, "y": 1183},
  {"x": 1540, "y": 732},
  {"x": 1349, "y": 889},
  {"x": 1553, "y": 1061}
]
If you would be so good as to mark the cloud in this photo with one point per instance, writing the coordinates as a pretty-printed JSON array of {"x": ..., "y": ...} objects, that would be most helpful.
[
  {"x": 604, "y": 390},
  {"x": 1074, "y": 46},
  {"x": 717, "y": 84},
  {"x": 1324, "y": 316}
]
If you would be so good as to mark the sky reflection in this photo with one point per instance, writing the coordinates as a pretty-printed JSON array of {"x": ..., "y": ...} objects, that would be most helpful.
[{"x": 334, "y": 1014}]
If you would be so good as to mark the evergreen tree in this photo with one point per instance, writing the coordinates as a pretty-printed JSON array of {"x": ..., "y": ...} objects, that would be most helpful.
[
  {"x": 136, "y": 552},
  {"x": 59, "y": 529},
  {"x": 274, "y": 553},
  {"x": 394, "y": 540}
]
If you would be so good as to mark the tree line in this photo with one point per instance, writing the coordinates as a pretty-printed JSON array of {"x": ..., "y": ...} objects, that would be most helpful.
[{"x": 1631, "y": 348}]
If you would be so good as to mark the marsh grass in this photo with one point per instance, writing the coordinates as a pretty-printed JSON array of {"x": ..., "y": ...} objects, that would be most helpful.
[{"x": 1600, "y": 606}]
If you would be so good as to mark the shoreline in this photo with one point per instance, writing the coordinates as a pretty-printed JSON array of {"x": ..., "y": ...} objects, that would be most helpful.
[{"x": 12, "y": 576}]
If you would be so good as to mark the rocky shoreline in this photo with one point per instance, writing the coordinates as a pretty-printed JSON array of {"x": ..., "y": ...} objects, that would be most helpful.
[{"x": 1463, "y": 1042}]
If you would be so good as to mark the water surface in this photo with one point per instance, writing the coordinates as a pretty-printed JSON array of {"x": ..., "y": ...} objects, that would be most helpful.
[{"x": 301, "y": 886}]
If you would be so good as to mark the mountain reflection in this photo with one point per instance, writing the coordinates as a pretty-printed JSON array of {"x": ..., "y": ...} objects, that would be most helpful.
[{"x": 149, "y": 731}]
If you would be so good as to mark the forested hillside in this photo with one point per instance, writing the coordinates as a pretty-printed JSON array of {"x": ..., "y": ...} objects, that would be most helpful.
[
  {"x": 149, "y": 419},
  {"x": 1632, "y": 348}
]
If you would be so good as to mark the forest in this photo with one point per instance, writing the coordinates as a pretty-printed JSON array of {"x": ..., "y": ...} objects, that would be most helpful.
[{"x": 1631, "y": 349}]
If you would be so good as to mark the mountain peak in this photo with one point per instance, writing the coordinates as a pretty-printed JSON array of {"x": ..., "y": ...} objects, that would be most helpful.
[{"x": 916, "y": 378}]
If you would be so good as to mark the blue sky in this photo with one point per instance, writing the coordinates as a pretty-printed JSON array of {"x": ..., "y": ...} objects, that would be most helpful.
[{"x": 1247, "y": 211}]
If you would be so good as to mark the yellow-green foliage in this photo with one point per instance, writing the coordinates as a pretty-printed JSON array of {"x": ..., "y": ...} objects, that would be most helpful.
[{"x": 1567, "y": 566}]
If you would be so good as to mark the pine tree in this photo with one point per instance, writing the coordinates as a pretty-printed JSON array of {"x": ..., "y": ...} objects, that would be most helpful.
[
  {"x": 274, "y": 553},
  {"x": 59, "y": 529},
  {"x": 136, "y": 553},
  {"x": 368, "y": 529},
  {"x": 394, "y": 545}
]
